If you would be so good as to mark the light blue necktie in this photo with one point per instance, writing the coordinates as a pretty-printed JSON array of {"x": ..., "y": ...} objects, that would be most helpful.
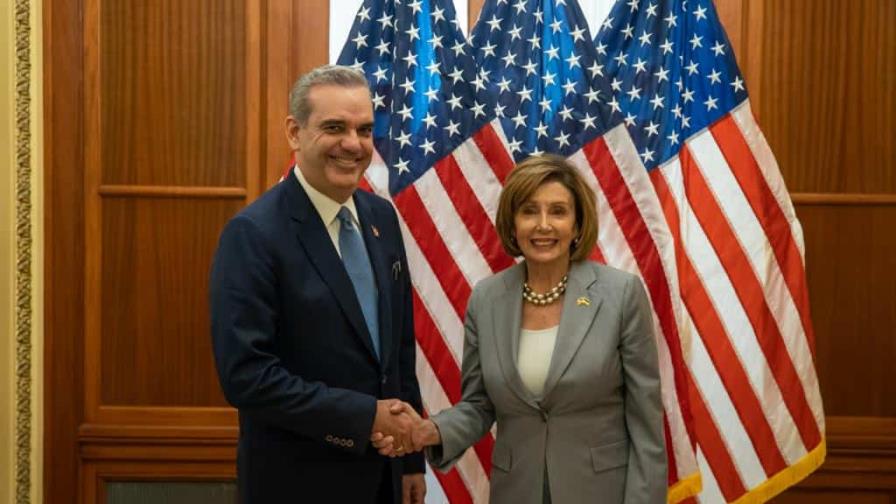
[{"x": 357, "y": 264}]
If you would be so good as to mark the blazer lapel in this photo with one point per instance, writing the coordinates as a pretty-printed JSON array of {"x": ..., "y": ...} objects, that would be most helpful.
[
  {"x": 507, "y": 318},
  {"x": 378, "y": 261},
  {"x": 580, "y": 306},
  {"x": 320, "y": 251}
]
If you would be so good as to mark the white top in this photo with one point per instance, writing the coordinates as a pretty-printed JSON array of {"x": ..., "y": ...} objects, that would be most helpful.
[
  {"x": 534, "y": 359},
  {"x": 327, "y": 208}
]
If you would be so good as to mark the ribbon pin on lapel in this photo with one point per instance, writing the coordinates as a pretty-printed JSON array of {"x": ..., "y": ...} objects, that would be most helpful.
[
  {"x": 583, "y": 301},
  {"x": 375, "y": 231}
]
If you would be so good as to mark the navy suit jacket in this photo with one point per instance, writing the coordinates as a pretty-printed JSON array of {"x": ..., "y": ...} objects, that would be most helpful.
[{"x": 294, "y": 355}]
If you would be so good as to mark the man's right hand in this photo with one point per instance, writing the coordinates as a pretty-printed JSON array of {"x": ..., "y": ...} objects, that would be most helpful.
[{"x": 395, "y": 420}]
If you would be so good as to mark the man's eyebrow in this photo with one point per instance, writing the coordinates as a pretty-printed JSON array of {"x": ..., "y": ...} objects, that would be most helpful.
[{"x": 330, "y": 122}]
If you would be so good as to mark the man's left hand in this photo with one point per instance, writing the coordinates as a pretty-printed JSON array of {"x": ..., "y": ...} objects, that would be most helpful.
[{"x": 413, "y": 488}]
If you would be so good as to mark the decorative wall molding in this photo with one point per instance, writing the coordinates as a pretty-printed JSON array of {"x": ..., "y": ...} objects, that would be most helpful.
[
  {"x": 24, "y": 248},
  {"x": 846, "y": 199}
]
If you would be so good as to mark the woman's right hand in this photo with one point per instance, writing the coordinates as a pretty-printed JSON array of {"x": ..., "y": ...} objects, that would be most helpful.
[{"x": 425, "y": 433}]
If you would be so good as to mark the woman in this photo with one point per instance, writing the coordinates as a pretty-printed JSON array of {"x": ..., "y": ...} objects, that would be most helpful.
[{"x": 560, "y": 351}]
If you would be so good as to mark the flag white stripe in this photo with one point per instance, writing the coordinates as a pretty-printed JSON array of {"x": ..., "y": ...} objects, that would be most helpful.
[
  {"x": 768, "y": 165},
  {"x": 752, "y": 238},
  {"x": 435, "y": 400},
  {"x": 609, "y": 236},
  {"x": 740, "y": 332},
  {"x": 727, "y": 421},
  {"x": 685, "y": 464},
  {"x": 451, "y": 227},
  {"x": 482, "y": 180},
  {"x": 499, "y": 129},
  {"x": 638, "y": 182},
  {"x": 711, "y": 491},
  {"x": 433, "y": 297}
]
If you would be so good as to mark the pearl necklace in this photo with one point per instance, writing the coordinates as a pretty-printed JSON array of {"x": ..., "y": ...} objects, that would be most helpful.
[{"x": 530, "y": 296}]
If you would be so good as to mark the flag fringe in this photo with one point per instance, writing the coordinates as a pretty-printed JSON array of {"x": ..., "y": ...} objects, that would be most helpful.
[
  {"x": 686, "y": 487},
  {"x": 786, "y": 478}
]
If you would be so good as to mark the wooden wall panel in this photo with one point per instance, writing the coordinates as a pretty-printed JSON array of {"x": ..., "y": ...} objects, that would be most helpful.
[
  {"x": 64, "y": 260},
  {"x": 185, "y": 72},
  {"x": 850, "y": 268},
  {"x": 828, "y": 108},
  {"x": 297, "y": 41},
  {"x": 155, "y": 116},
  {"x": 155, "y": 345},
  {"x": 169, "y": 73},
  {"x": 821, "y": 76}
]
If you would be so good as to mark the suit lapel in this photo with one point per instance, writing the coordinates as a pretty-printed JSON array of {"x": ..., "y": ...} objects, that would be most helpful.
[
  {"x": 319, "y": 248},
  {"x": 507, "y": 318},
  {"x": 580, "y": 306},
  {"x": 378, "y": 261}
]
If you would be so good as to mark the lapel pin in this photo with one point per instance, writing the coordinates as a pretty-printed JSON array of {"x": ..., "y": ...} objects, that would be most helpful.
[
  {"x": 375, "y": 231},
  {"x": 583, "y": 301}
]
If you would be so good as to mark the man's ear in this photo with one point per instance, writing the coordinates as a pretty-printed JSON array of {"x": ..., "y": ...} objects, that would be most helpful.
[{"x": 292, "y": 132}]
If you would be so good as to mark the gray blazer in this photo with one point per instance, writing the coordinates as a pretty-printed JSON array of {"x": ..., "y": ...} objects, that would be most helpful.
[{"x": 597, "y": 432}]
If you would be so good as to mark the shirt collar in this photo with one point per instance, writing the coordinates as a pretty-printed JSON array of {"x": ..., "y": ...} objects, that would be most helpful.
[{"x": 326, "y": 207}]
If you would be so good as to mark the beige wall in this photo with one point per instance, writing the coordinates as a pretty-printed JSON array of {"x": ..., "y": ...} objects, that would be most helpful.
[{"x": 9, "y": 451}]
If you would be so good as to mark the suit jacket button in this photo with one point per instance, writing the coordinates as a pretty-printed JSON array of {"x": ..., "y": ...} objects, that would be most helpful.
[
  {"x": 328, "y": 438},
  {"x": 383, "y": 379},
  {"x": 350, "y": 443}
]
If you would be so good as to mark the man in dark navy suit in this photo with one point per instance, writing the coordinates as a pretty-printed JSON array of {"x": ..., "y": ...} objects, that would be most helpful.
[{"x": 311, "y": 314}]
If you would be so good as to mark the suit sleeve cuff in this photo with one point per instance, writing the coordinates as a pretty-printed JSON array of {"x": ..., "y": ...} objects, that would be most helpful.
[{"x": 413, "y": 464}]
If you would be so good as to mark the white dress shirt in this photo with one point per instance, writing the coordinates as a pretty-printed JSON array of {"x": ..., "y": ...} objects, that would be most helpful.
[
  {"x": 534, "y": 358},
  {"x": 327, "y": 208}
]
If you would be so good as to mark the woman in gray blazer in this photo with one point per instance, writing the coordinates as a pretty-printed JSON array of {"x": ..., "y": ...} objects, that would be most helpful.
[{"x": 561, "y": 352}]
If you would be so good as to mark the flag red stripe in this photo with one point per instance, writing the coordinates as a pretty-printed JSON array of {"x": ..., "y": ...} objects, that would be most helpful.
[
  {"x": 470, "y": 211},
  {"x": 714, "y": 449},
  {"x": 717, "y": 342},
  {"x": 644, "y": 250},
  {"x": 749, "y": 292},
  {"x": 672, "y": 472},
  {"x": 493, "y": 151},
  {"x": 597, "y": 256},
  {"x": 454, "y": 487},
  {"x": 431, "y": 244},
  {"x": 446, "y": 371},
  {"x": 436, "y": 351},
  {"x": 777, "y": 229}
]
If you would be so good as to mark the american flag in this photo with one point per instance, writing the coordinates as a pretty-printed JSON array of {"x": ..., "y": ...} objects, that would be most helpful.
[
  {"x": 739, "y": 254},
  {"x": 453, "y": 115}
]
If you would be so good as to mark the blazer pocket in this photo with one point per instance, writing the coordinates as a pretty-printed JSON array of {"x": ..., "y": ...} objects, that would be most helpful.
[
  {"x": 501, "y": 457},
  {"x": 609, "y": 456}
]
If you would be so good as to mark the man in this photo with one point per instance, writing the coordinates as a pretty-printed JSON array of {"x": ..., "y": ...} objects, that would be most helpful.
[{"x": 311, "y": 313}]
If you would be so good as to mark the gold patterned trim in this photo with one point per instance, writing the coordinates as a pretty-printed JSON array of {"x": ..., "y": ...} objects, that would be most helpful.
[{"x": 23, "y": 251}]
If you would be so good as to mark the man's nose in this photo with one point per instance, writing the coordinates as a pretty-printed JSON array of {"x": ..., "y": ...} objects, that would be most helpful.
[{"x": 351, "y": 141}]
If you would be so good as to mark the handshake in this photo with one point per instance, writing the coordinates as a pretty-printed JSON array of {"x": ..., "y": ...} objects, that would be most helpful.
[{"x": 399, "y": 430}]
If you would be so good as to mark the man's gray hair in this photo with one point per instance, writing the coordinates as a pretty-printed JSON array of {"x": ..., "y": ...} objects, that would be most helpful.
[{"x": 332, "y": 75}]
